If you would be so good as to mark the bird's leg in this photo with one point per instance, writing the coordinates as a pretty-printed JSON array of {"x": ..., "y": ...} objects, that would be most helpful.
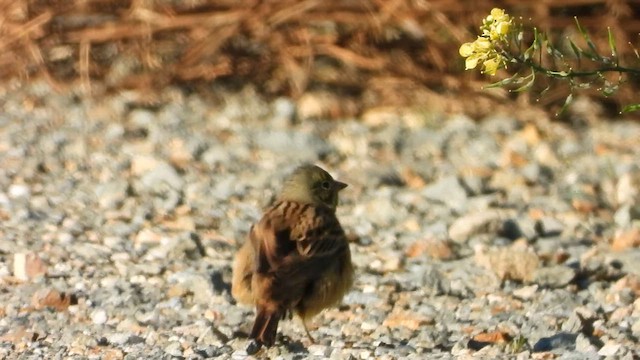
[
  {"x": 304, "y": 324},
  {"x": 264, "y": 328},
  {"x": 287, "y": 314}
]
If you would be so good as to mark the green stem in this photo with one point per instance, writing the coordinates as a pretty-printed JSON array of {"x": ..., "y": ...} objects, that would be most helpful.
[{"x": 571, "y": 73}]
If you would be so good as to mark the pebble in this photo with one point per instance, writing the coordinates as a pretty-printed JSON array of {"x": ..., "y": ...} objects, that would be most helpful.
[
  {"x": 17, "y": 191},
  {"x": 459, "y": 227},
  {"x": 548, "y": 226},
  {"x": 560, "y": 341},
  {"x": 556, "y": 276},
  {"x": 448, "y": 191},
  {"x": 99, "y": 316},
  {"x": 475, "y": 223},
  {"x": 609, "y": 349}
]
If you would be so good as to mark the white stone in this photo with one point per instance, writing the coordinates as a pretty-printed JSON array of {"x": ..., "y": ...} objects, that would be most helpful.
[{"x": 99, "y": 316}]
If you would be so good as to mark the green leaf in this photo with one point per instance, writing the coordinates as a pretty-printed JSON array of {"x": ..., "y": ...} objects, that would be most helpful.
[
  {"x": 544, "y": 91},
  {"x": 576, "y": 49},
  {"x": 501, "y": 83},
  {"x": 567, "y": 102},
  {"x": 557, "y": 74},
  {"x": 537, "y": 41},
  {"x": 587, "y": 39},
  {"x": 551, "y": 50},
  {"x": 529, "y": 53},
  {"x": 529, "y": 84},
  {"x": 612, "y": 43},
  {"x": 630, "y": 108}
]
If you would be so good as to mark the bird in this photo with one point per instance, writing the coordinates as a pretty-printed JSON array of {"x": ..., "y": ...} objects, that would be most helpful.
[{"x": 296, "y": 258}]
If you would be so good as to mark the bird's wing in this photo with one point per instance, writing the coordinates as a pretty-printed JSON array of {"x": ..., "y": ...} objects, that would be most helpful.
[
  {"x": 290, "y": 236},
  {"x": 318, "y": 234}
]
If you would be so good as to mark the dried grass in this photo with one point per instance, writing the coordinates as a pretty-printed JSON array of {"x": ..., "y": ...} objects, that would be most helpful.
[{"x": 282, "y": 47}]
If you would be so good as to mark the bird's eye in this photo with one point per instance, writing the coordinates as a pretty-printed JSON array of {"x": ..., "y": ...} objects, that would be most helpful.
[{"x": 326, "y": 185}]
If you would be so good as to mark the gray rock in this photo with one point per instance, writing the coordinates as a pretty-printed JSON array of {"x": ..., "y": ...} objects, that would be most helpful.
[
  {"x": 554, "y": 277},
  {"x": 584, "y": 345},
  {"x": 174, "y": 349},
  {"x": 216, "y": 155},
  {"x": 475, "y": 223},
  {"x": 560, "y": 341},
  {"x": 119, "y": 339},
  {"x": 448, "y": 191},
  {"x": 161, "y": 178},
  {"x": 112, "y": 194},
  {"x": 548, "y": 226},
  {"x": 611, "y": 348},
  {"x": 297, "y": 146}
]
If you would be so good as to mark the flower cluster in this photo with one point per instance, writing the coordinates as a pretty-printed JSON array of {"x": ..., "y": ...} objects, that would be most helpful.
[
  {"x": 496, "y": 26},
  {"x": 484, "y": 49}
]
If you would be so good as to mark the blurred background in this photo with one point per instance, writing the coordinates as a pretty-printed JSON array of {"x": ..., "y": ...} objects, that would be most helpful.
[{"x": 335, "y": 58}]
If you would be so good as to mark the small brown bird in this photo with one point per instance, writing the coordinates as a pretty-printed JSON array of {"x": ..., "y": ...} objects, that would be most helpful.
[{"x": 296, "y": 258}]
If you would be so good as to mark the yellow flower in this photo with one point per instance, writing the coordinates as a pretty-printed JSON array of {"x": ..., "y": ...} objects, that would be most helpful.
[
  {"x": 485, "y": 49},
  {"x": 497, "y": 15},
  {"x": 491, "y": 66},
  {"x": 497, "y": 25},
  {"x": 466, "y": 50},
  {"x": 482, "y": 44},
  {"x": 502, "y": 28},
  {"x": 471, "y": 62}
]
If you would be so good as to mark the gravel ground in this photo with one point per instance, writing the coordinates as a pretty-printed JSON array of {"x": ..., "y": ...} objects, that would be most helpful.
[{"x": 497, "y": 238}]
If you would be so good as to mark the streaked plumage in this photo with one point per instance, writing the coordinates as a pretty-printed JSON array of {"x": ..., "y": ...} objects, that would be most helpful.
[{"x": 296, "y": 258}]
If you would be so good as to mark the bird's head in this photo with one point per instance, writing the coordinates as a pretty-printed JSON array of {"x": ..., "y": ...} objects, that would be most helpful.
[{"x": 310, "y": 184}]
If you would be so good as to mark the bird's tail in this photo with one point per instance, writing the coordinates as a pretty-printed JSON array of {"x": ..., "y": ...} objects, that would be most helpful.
[{"x": 266, "y": 326}]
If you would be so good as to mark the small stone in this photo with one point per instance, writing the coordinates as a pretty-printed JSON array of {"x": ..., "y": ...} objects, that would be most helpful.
[
  {"x": 526, "y": 292},
  {"x": 584, "y": 345},
  {"x": 627, "y": 190},
  {"x": 65, "y": 238},
  {"x": 319, "y": 350},
  {"x": 111, "y": 194},
  {"x": 174, "y": 349},
  {"x": 448, "y": 191},
  {"x": 194, "y": 283},
  {"x": 434, "y": 248},
  {"x": 284, "y": 111},
  {"x": 554, "y": 276},
  {"x": 27, "y": 266},
  {"x": 51, "y": 298},
  {"x": 609, "y": 349},
  {"x": 119, "y": 339},
  {"x": 163, "y": 177},
  {"x": 298, "y": 146},
  {"x": 493, "y": 337},
  {"x": 626, "y": 239},
  {"x": 368, "y": 326},
  {"x": 622, "y": 216},
  {"x": 475, "y": 223},
  {"x": 407, "y": 319},
  {"x": 548, "y": 226},
  {"x": 563, "y": 340},
  {"x": 635, "y": 328},
  {"x": 99, "y": 316},
  {"x": 148, "y": 236},
  {"x": 19, "y": 191},
  {"x": 510, "y": 263},
  {"x": 511, "y": 230}
]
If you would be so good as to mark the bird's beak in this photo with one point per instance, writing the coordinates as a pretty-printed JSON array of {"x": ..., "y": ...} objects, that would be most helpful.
[{"x": 339, "y": 185}]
